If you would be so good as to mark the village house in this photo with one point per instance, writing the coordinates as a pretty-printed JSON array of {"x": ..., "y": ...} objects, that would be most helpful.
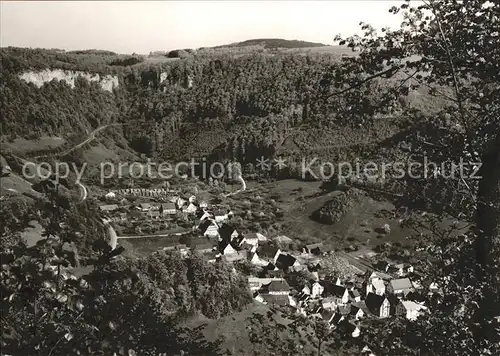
[
  {"x": 285, "y": 261},
  {"x": 109, "y": 207},
  {"x": 411, "y": 309},
  {"x": 190, "y": 209},
  {"x": 336, "y": 281},
  {"x": 203, "y": 204},
  {"x": 329, "y": 303},
  {"x": 226, "y": 248},
  {"x": 356, "y": 312},
  {"x": 145, "y": 207},
  {"x": 269, "y": 252},
  {"x": 209, "y": 229},
  {"x": 255, "y": 260},
  {"x": 401, "y": 269},
  {"x": 400, "y": 286},
  {"x": 317, "y": 290},
  {"x": 256, "y": 283},
  {"x": 167, "y": 209},
  {"x": 110, "y": 195},
  {"x": 276, "y": 293},
  {"x": 339, "y": 293},
  {"x": 306, "y": 290},
  {"x": 276, "y": 288},
  {"x": 378, "y": 305},
  {"x": 314, "y": 249},
  {"x": 376, "y": 286}
]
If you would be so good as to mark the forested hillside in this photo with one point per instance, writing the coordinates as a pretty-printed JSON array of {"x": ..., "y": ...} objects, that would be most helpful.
[{"x": 255, "y": 100}]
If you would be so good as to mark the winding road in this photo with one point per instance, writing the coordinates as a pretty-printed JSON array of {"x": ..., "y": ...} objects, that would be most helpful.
[{"x": 90, "y": 137}]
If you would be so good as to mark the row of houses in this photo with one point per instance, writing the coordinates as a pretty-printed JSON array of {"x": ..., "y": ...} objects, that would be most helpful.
[
  {"x": 157, "y": 192},
  {"x": 155, "y": 210}
]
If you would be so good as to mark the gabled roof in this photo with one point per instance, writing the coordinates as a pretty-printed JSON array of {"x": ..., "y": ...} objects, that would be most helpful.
[
  {"x": 361, "y": 305},
  {"x": 355, "y": 308},
  {"x": 277, "y": 286},
  {"x": 401, "y": 284},
  {"x": 267, "y": 250},
  {"x": 205, "y": 224},
  {"x": 333, "y": 289},
  {"x": 374, "y": 301},
  {"x": 285, "y": 260},
  {"x": 318, "y": 245},
  {"x": 225, "y": 232},
  {"x": 223, "y": 244},
  {"x": 378, "y": 284}
]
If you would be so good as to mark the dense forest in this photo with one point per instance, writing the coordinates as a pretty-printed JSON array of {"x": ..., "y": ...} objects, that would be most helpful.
[{"x": 255, "y": 99}]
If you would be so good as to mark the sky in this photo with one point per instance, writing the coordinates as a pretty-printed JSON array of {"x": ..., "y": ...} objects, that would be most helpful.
[{"x": 144, "y": 26}]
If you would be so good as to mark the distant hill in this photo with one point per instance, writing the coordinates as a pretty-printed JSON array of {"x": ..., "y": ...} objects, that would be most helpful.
[{"x": 274, "y": 43}]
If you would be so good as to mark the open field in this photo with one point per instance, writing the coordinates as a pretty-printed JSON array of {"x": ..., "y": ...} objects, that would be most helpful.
[
  {"x": 21, "y": 145},
  {"x": 361, "y": 225}
]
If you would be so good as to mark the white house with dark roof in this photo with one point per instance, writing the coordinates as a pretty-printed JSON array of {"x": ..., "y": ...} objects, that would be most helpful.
[
  {"x": 317, "y": 290},
  {"x": 400, "y": 286},
  {"x": 378, "y": 305}
]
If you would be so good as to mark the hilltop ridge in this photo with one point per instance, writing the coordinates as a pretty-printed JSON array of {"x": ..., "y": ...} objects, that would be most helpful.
[{"x": 274, "y": 43}]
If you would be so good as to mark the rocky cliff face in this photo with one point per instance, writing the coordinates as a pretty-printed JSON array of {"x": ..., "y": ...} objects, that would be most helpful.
[{"x": 107, "y": 82}]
